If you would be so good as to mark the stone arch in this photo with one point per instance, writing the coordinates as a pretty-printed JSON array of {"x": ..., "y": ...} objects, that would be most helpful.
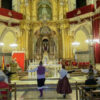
[
  {"x": 84, "y": 29},
  {"x": 82, "y": 52},
  {"x": 5, "y": 31}
]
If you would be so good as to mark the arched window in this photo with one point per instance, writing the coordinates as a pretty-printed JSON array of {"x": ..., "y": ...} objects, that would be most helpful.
[
  {"x": 80, "y": 3},
  {"x": 6, "y": 4}
]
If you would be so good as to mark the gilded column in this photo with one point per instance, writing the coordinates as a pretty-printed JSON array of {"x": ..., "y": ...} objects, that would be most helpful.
[
  {"x": 67, "y": 38},
  {"x": 54, "y": 10},
  {"x": 34, "y": 10},
  {"x": 70, "y": 47},
  {"x": 65, "y": 7},
  {"x": 60, "y": 10},
  {"x": 65, "y": 45}
]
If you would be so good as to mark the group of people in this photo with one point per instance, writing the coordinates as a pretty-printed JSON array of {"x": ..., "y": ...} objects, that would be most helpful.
[{"x": 63, "y": 86}]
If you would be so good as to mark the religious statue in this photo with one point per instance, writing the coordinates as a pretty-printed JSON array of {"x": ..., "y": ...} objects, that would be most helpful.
[
  {"x": 44, "y": 14},
  {"x": 13, "y": 65}
]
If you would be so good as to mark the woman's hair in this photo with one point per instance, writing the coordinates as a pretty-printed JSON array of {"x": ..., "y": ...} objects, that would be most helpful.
[
  {"x": 63, "y": 66},
  {"x": 40, "y": 63},
  {"x": 90, "y": 66}
]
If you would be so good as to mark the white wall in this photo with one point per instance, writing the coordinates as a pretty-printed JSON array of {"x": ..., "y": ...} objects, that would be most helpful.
[{"x": 98, "y": 66}]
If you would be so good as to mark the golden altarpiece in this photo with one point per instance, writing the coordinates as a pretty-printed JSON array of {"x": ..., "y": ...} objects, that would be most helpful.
[{"x": 44, "y": 29}]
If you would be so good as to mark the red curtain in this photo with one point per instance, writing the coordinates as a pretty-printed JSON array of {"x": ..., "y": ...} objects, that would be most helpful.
[
  {"x": 20, "y": 59},
  {"x": 98, "y": 3},
  {"x": 96, "y": 26}
]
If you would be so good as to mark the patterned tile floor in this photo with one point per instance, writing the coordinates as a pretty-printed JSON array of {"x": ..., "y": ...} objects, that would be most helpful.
[{"x": 48, "y": 95}]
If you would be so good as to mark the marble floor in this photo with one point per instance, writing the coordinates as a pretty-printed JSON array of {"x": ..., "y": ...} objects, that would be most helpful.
[
  {"x": 27, "y": 89},
  {"x": 48, "y": 95},
  {"x": 78, "y": 79}
]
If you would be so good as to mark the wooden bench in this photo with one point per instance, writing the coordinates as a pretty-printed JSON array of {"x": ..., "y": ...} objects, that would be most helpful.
[
  {"x": 9, "y": 91},
  {"x": 83, "y": 94}
]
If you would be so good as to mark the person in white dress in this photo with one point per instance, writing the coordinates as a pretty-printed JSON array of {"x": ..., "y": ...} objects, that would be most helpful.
[{"x": 63, "y": 86}]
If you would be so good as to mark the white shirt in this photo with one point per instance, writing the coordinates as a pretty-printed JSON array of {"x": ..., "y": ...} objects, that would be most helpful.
[
  {"x": 63, "y": 73},
  {"x": 38, "y": 76},
  {"x": 87, "y": 71},
  {"x": 2, "y": 74},
  {"x": 98, "y": 80}
]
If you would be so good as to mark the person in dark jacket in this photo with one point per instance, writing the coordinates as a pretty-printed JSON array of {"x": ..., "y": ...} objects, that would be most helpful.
[
  {"x": 90, "y": 81},
  {"x": 40, "y": 77}
]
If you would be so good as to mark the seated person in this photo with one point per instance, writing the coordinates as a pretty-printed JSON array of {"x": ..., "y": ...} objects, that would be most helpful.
[
  {"x": 90, "y": 81},
  {"x": 98, "y": 80},
  {"x": 3, "y": 85},
  {"x": 8, "y": 73},
  {"x": 90, "y": 70},
  {"x": 3, "y": 74}
]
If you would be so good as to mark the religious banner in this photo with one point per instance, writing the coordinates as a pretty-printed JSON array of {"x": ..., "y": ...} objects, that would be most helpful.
[
  {"x": 2, "y": 63},
  {"x": 20, "y": 58}
]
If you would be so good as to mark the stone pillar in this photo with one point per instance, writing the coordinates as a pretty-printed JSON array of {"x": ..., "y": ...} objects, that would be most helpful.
[
  {"x": 91, "y": 51},
  {"x": 91, "y": 54}
]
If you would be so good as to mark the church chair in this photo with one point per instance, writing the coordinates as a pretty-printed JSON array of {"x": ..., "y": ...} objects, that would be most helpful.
[
  {"x": 90, "y": 95},
  {"x": 5, "y": 93},
  {"x": 87, "y": 64},
  {"x": 80, "y": 64}
]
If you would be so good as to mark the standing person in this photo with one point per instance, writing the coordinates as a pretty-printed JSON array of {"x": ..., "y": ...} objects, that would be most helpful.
[
  {"x": 63, "y": 86},
  {"x": 40, "y": 77}
]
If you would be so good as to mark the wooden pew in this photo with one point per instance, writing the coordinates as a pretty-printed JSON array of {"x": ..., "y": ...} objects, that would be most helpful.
[
  {"x": 83, "y": 95},
  {"x": 9, "y": 91}
]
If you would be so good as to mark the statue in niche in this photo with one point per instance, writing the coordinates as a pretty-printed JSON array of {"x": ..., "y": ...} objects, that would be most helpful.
[
  {"x": 44, "y": 13},
  {"x": 45, "y": 46}
]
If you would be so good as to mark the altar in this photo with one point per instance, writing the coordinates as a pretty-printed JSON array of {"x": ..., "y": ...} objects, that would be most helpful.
[{"x": 52, "y": 67}]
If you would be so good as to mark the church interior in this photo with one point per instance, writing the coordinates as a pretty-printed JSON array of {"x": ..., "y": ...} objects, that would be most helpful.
[{"x": 55, "y": 32}]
